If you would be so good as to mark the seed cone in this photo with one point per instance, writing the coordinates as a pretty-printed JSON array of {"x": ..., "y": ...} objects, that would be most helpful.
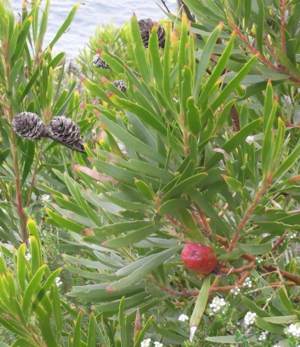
[
  {"x": 99, "y": 62},
  {"x": 121, "y": 85},
  {"x": 29, "y": 125},
  {"x": 146, "y": 26},
  {"x": 65, "y": 131}
]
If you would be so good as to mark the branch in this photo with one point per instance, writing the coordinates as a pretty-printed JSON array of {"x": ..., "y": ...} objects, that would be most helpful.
[
  {"x": 283, "y": 25},
  {"x": 248, "y": 214}
]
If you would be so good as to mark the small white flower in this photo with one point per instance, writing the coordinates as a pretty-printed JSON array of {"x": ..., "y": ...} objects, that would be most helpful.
[
  {"x": 247, "y": 283},
  {"x": 217, "y": 304},
  {"x": 250, "y": 139},
  {"x": 235, "y": 291},
  {"x": 287, "y": 99},
  {"x": 27, "y": 256},
  {"x": 293, "y": 330},
  {"x": 45, "y": 198},
  {"x": 58, "y": 281},
  {"x": 157, "y": 344},
  {"x": 293, "y": 236},
  {"x": 277, "y": 345},
  {"x": 259, "y": 260},
  {"x": 249, "y": 318},
  {"x": 192, "y": 332},
  {"x": 263, "y": 336},
  {"x": 146, "y": 343},
  {"x": 183, "y": 317}
]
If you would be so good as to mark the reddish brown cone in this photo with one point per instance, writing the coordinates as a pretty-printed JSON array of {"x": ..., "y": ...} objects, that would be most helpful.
[{"x": 199, "y": 258}]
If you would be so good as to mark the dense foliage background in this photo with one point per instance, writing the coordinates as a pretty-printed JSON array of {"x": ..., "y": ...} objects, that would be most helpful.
[{"x": 199, "y": 142}]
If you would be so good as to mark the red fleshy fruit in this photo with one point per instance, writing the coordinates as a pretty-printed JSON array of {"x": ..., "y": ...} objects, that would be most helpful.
[{"x": 199, "y": 258}]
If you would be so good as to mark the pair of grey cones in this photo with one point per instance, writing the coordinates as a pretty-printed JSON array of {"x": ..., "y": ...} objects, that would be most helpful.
[{"x": 61, "y": 129}]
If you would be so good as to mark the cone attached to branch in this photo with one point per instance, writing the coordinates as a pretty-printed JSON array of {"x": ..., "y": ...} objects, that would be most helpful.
[
  {"x": 121, "y": 85},
  {"x": 65, "y": 131},
  {"x": 146, "y": 26},
  {"x": 29, "y": 125},
  {"x": 99, "y": 62}
]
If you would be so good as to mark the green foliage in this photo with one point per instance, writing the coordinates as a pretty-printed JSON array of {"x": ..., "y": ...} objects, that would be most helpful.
[{"x": 202, "y": 146}]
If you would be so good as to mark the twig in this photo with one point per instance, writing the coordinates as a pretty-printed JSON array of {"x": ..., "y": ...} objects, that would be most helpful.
[
  {"x": 260, "y": 193},
  {"x": 201, "y": 219},
  {"x": 279, "y": 241},
  {"x": 233, "y": 270},
  {"x": 283, "y": 25},
  {"x": 13, "y": 147},
  {"x": 33, "y": 178},
  {"x": 235, "y": 119},
  {"x": 288, "y": 275},
  {"x": 165, "y": 6},
  {"x": 263, "y": 59}
]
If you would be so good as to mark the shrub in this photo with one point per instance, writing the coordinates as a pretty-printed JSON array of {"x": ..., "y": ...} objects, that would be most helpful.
[{"x": 201, "y": 147}]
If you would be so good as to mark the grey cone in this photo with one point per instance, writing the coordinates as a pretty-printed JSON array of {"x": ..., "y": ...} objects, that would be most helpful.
[
  {"x": 146, "y": 26},
  {"x": 121, "y": 85},
  {"x": 29, "y": 126},
  {"x": 66, "y": 132},
  {"x": 99, "y": 62}
]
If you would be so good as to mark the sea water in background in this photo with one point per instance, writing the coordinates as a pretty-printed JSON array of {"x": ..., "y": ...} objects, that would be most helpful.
[{"x": 93, "y": 13}]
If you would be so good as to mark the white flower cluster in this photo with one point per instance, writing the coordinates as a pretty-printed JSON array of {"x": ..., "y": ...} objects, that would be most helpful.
[
  {"x": 235, "y": 291},
  {"x": 58, "y": 281},
  {"x": 218, "y": 304},
  {"x": 45, "y": 198},
  {"x": 259, "y": 260},
  {"x": 293, "y": 330},
  {"x": 263, "y": 336},
  {"x": 249, "y": 318},
  {"x": 247, "y": 283},
  {"x": 147, "y": 343},
  {"x": 293, "y": 236},
  {"x": 183, "y": 318}
]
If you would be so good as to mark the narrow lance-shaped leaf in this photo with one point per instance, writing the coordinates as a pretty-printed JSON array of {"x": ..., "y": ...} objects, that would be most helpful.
[
  {"x": 64, "y": 26},
  {"x": 217, "y": 71},
  {"x": 200, "y": 305},
  {"x": 233, "y": 84},
  {"x": 205, "y": 58}
]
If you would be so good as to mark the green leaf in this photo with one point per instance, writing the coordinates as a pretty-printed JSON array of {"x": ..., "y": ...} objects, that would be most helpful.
[
  {"x": 91, "y": 341},
  {"x": 146, "y": 267},
  {"x": 222, "y": 339},
  {"x": 36, "y": 256},
  {"x": 233, "y": 84},
  {"x": 193, "y": 116},
  {"x": 139, "y": 50},
  {"x": 288, "y": 162},
  {"x": 130, "y": 238},
  {"x": 217, "y": 71},
  {"x": 257, "y": 249},
  {"x": 131, "y": 141},
  {"x": 122, "y": 323},
  {"x": 157, "y": 69},
  {"x": 204, "y": 60},
  {"x": 77, "y": 331},
  {"x": 281, "y": 320},
  {"x": 185, "y": 185},
  {"x": 201, "y": 303},
  {"x": 32, "y": 289},
  {"x": 64, "y": 27},
  {"x": 21, "y": 266},
  {"x": 28, "y": 159}
]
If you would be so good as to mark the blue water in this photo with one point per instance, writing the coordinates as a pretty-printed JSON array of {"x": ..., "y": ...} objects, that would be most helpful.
[{"x": 93, "y": 13}]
